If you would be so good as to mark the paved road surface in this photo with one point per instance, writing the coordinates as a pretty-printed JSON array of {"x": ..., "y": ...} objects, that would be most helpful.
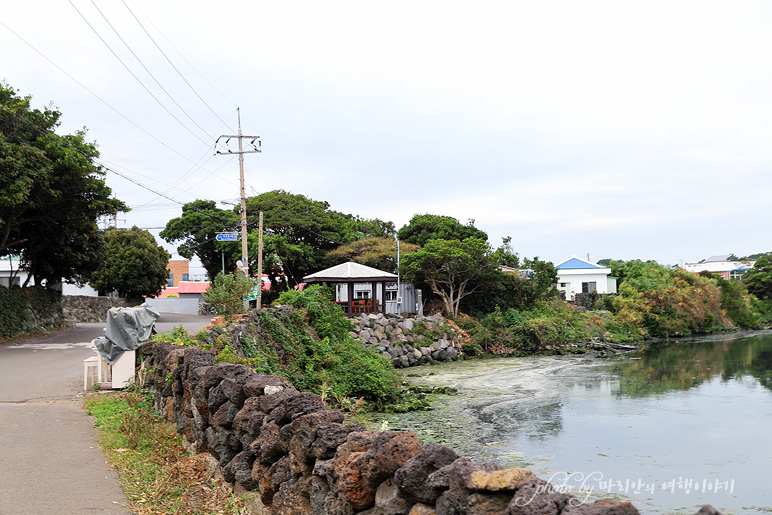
[{"x": 50, "y": 462}]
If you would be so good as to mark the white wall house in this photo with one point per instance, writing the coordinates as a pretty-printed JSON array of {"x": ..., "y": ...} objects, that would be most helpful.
[
  {"x": 722, "y": 266},
  {"x": 10, "y": 275},
  {"x": 577, "y": 275}
]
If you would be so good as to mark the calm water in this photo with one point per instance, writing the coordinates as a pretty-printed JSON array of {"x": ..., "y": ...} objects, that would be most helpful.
[{"x": 670, "y": 427}]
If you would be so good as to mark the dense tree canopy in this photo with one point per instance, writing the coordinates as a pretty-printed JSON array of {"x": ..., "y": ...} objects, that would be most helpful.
[
  {"x": 759, "y": 278},
  {"x": 53, "y": 193},
  {"x": 423, "y": 228},
  {"x": 300, "y": 231},
  {"x": 377, "y": 252},
  {"x": 197, "y": 229},
  {"x": 134, "y": 265},
  {"x": 452, "y": 269}
]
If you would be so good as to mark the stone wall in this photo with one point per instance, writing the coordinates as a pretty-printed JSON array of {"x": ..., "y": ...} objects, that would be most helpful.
[
  {"x": 301, "y": 458},
  {"x": 82, "y": 308},
  {"x": 590, "y": 300},
  {"x": 408, "y": 342}
]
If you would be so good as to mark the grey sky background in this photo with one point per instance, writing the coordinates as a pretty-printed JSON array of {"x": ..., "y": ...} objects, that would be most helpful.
[{"x": 626, "y": 130}]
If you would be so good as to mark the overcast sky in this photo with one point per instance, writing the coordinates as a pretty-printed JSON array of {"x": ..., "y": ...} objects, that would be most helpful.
[{"x": 626, "y": 130}]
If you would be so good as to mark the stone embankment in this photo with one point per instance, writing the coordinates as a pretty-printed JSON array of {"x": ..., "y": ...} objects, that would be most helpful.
[
  {"x": 408, "y": 342},
  {"x": 301, "y": 458},
  {"x": 83, "y": 308}
]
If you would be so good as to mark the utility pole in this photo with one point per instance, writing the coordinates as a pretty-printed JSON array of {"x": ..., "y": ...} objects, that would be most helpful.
[
  {"x": 260, "y": 262},
  {"x": 243, "y": 210}
]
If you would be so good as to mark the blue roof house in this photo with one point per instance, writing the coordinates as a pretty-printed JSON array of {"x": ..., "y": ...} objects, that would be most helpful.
[{"x": 577, "y": 275}]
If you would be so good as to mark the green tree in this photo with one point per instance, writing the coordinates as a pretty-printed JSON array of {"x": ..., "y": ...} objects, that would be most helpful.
[
  {"x": 423, "y": 228},
  {"x": 452, "y": 269},
  {"x": 377, "y": 252},
  {"x": 134, "y": 265},
  {"x": 759, "y": 278},
  {"x": 227, "y": 292},
  {"x": 299, "y": 232},
  {"x": 197, "y": 230},
  {"x": 505, "y": 255},
  {"x": 53, "y": 193}
]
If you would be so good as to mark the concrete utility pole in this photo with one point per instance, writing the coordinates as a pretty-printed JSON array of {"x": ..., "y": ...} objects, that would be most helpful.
[{"x": 243, "y": 210}]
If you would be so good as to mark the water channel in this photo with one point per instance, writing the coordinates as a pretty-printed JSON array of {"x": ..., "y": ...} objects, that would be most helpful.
[{"x": 670, "y": 427}]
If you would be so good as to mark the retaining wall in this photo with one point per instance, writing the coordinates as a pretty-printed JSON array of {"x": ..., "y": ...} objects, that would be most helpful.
[
  {"x": 82, "y": 308},
  {"x": 301, "y": 458},
  {"x": 408, "y": 342}
]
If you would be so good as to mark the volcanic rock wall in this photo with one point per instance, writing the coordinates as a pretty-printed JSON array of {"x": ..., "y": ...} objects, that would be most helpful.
[{"x": 301, "y": 458}]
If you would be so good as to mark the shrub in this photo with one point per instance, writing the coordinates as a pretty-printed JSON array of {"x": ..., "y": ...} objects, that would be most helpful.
[{"x": 227, "y": 292}]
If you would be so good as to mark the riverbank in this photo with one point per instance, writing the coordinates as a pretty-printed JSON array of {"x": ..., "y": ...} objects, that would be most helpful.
[{"x": 685, "y": 409}]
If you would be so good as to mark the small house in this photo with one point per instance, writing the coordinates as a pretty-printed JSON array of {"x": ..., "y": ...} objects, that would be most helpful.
[{"x": 577, "y": 275}]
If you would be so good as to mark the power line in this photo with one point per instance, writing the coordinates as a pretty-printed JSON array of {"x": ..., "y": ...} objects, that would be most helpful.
[
  {"x": 41, "y": 54},
  {"x": 184, "y": 59},
  {"x": 146, "y": 69},
  {"x": 172, "y": 64},
  {"x": 135, "y": 76}
]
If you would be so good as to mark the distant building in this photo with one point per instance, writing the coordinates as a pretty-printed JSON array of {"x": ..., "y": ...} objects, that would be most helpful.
[
  {"x": 192, "y": 290},
  {"x": 179, "y": 270},
  {"x": 577, "y": 275},
  {"x": 723, "y": 266}
]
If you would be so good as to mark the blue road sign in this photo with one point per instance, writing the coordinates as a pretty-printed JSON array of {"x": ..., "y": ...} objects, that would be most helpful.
[{"x": 228, "y": 236}]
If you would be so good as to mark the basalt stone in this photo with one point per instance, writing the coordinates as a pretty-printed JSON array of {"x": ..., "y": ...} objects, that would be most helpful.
[
  {"x": 216, "y": 398},
  {"x": 296, "y": 406},
  {"x": 538, "y": 497},
  {"x": 233, "y": 389},
  {"x": 479, "y": 503},
  {"x": 292, "y": 498},
  {"x": 330, "y": 437},
  {"x": 352, "y": 485},
  {"x": 508, "y": 480},
  {"x": 601, "y": 507},
  {"x": 268, "y": 447},
  {"x": 223, "y": 444},
  {"x": 266, "y": 403},
  {"x": 422, "y": 509},
  {"x": 225, "y": 415},
  {"x": 220, "y": 371},
  {"x": 195, "y": 358},
  {"x": 388, "y": 501},
  {"x": 300, "y": 434},
  {"x": 411, "y": 478},
  {"x": 452, "y": 353},
  {"x": 389, "y": 451},
  {"x": 454, "y": 478},
  {"x": 173, "y": 358},
  {"x": 280, "y": 472},
  {"x": 239, "y": 470},
  {"x": 254, "y": 384},
  {"x": 319, "y": 495},
  {"x": 249, "y": 419}
]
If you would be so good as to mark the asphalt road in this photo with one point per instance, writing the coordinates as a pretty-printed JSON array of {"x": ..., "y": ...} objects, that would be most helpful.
[{"x": 50, "y": 462}]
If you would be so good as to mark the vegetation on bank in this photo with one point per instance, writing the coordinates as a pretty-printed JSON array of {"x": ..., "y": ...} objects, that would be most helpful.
[
  {"x": 310, "y": 345},
  {"x": 157, "y": 474},
  {"x": 653, "y": 302}
]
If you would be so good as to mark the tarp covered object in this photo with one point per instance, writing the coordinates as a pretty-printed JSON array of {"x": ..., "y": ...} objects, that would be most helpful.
[{"x": 127, "y": 329}]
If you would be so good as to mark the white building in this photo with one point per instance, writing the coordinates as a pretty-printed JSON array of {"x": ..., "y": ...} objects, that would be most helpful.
[
  {"x": 10, "y": 275},
  {"x": 722, "y": 266},
  {"x": 577, "y": 275}
]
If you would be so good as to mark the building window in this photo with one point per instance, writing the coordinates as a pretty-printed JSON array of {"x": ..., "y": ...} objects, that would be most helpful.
[
  {"x": 391, "y": 295},
  {"x": 589, "y": 286},
  {"x": 362, "y": 294},
  {"x": 564, "y": 285},
  {"x": 170, "y": 283},
  {"x": 184, "y": 277}
]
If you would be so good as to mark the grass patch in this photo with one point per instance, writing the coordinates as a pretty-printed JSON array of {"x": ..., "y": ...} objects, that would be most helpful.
[{"x": 157, "y": 474}]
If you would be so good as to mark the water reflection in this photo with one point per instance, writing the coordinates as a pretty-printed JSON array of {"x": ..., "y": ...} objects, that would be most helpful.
[{"x": 667, "y": 366}]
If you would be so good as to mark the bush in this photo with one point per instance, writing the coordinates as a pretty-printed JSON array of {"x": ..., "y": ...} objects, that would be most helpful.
[{"x": 227, "y": 293}]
